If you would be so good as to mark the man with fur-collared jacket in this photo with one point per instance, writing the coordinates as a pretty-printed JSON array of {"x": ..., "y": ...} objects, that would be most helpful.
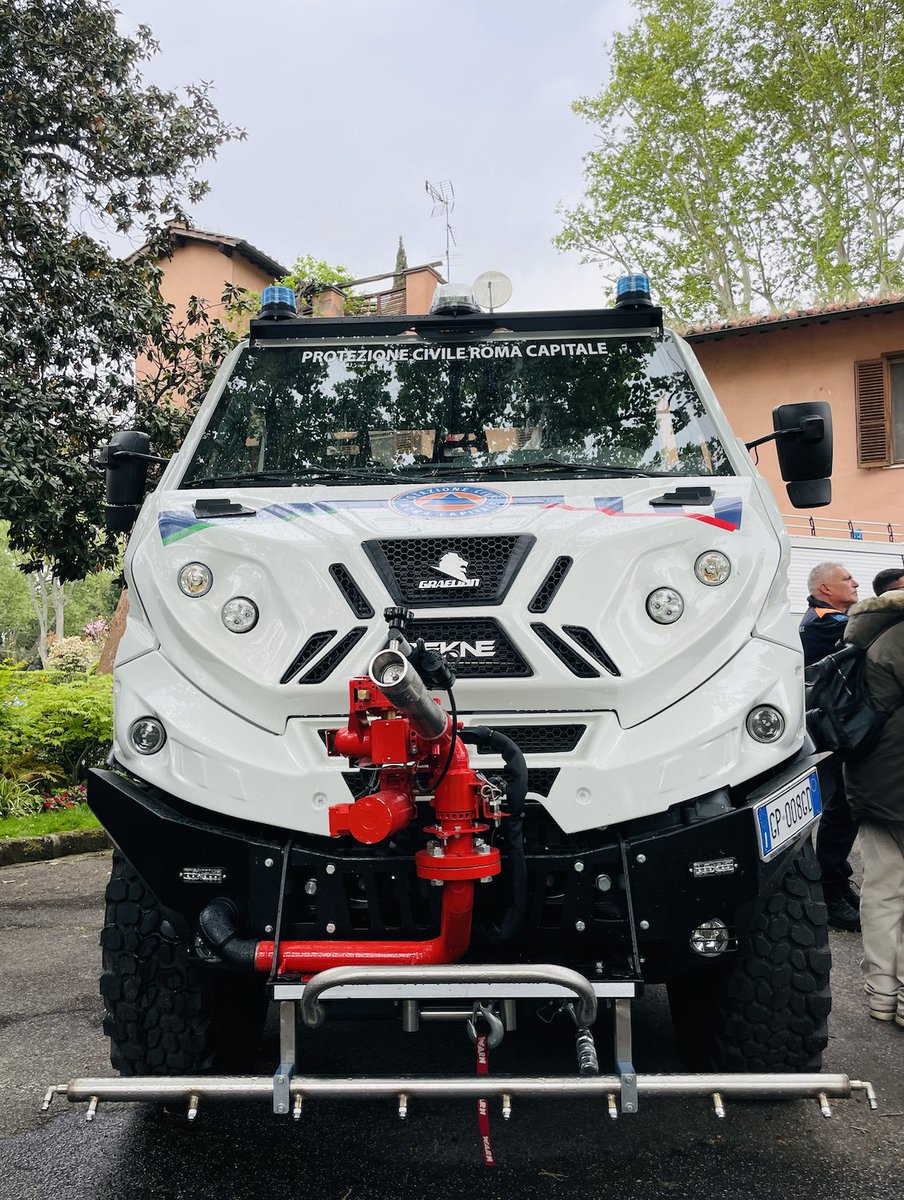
[{"x": 875, "y": 791}]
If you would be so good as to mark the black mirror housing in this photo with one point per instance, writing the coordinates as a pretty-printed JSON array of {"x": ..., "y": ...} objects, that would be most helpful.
[
  {"x": 125, "y": 478},
  {"x": 803, "y": 442}
]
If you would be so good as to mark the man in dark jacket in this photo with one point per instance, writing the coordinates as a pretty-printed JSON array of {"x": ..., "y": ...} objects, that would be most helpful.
[
  {"x": 875, "y": 788},
  {"x": 833, "y": 590}
]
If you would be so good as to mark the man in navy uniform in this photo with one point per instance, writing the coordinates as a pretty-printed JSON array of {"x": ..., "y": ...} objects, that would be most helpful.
[{"x": 833, "y": 590}]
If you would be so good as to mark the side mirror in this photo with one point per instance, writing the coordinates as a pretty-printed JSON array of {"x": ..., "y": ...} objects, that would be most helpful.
[
  {"x": 803, "y": 437},
  {"x": 804, "y": 447},
  {"x": 126, "y": 460}
]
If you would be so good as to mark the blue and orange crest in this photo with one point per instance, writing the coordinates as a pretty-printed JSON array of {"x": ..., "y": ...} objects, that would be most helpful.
[{"x": 450, "y": 500}]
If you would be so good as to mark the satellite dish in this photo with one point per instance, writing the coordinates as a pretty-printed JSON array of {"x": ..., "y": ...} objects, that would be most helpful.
[{"x": 492, "y": 289}]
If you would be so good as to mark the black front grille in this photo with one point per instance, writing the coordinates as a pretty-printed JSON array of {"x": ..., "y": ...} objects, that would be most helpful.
[
  {"x": 482, "y": 648},
  {"x": 325, "y": 667},
  {"x": 544, "y": 594},
  {"x": 444, "y": 572},
  {"x": 575, "y": 662},
  {"x": 541, "y": 779},
  {"x": 588, "y": 642},
  {"x": 540, "y": 739},
  {"x": 357, "y": 601},
  {"x": 309, "y": 650}
]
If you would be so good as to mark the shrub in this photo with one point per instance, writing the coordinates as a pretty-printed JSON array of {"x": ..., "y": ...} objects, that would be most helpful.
[
  {"x": 17, "y": 800},
  {"x": 52, "y": 728},
  {"x": 72, "y": 656}
]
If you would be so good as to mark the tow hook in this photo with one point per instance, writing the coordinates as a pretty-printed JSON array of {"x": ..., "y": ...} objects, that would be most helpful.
[{"x": 494, "y": 1025}]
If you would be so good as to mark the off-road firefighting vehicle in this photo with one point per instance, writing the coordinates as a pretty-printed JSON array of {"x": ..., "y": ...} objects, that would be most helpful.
[{"x": 459, "y": 675}]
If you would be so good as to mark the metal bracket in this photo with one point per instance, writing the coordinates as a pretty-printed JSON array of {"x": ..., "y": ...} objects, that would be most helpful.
[
  {"x": 282, "y": 1077},
  {"x": 624, "y": 1064}
]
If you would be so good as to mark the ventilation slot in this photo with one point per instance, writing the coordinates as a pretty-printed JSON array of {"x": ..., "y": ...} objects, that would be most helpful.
[
  {"x": 309, "y": 650},
  {"x": 572, "y": 660},
  {"x": 550, "y": 585},
  {"x": 588, "y": 642},
  {"x": 541, "y": 779},
  {"x": 330, "y": 661},
  {"x": 357, "y": 601},
  {"x": 540, "y": 739}
]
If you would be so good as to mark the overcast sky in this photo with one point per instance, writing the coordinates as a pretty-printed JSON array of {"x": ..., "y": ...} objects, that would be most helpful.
[{"x": 350, "y": 105}]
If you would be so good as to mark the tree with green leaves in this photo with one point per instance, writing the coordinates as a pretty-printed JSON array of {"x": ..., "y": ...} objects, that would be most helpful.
[
  {"x": 750, "y": 154},
  {"x": 87, "y": 148}
]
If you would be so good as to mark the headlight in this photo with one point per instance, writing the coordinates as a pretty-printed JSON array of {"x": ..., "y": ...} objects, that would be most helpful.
[
  {"x": 665, "y": 605},
  {"x": 147, "y": 735},
  {"x": 710, "y": 938},
  {"x": 195, "y": 579},
  {"x": 240, "y": 614},
  {"x": 765, "y": 723},
  {"x": 712, "y": 568}
]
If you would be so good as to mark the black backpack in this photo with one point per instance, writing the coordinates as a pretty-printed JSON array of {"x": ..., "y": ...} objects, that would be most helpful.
[{"x": 841, "y": 716}]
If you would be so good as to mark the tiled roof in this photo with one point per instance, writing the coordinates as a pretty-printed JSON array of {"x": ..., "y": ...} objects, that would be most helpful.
[
  {"x": 764, "y": 322},
  {"x": 251, "y": 253}
]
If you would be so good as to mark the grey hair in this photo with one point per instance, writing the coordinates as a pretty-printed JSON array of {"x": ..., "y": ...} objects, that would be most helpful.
[{"x": 819, "y": 573}]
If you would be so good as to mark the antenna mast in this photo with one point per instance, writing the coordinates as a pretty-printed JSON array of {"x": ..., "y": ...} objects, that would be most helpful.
[{"x": 443, "y": 196}]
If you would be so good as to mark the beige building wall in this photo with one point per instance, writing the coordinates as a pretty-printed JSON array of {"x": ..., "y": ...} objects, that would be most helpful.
[
  {"x": 765, "y": 366},
  {"x": 202, "y": 269}
]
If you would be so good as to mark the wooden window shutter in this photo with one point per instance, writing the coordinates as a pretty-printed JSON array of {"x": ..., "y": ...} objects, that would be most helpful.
[{"x": 873, "y": 417}]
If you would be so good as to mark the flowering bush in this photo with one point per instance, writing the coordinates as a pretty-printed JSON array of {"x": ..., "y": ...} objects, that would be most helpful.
[
  {"x": 96, "y": 630},
  {"x": 72, "y": 656},
  {"x": 67, "y": 798}
]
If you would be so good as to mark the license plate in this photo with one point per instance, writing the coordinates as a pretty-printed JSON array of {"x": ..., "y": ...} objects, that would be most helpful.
[{"x": 780, "y": 818}]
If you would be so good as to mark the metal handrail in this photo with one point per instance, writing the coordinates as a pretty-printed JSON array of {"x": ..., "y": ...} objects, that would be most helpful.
[
  {"x": 885, "y": 531},
  {"x": 313, "y": 1014}
]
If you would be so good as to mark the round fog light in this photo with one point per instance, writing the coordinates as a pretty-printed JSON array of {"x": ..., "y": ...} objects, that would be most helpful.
[
  {"x": 712, "y": 568},
  {"x": 195, "y": 579},
  {"x": 765, "y": 723},
  {"x": 665, "y": 605},
  {"x": 147, "y": 735},
  {"x": 710, "y": 938},
  {"x": 240, "y": 614}
]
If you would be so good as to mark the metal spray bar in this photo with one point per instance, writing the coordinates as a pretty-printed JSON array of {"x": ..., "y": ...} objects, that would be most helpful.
[{"x": 154, "y": 1089}]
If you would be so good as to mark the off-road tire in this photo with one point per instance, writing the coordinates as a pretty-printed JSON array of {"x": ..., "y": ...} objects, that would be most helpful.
[
  {"x": 763, "y": 1008},
  {"x": 163, "y": 1014}
]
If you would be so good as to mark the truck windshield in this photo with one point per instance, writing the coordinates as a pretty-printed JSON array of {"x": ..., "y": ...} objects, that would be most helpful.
[{"x": 418, "y": 409}]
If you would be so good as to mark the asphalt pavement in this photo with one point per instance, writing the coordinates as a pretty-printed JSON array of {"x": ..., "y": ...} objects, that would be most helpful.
[{"x": 50, "y": 914}]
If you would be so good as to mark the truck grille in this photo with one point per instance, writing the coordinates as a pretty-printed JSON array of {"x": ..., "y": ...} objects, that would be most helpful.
[
  {"x": 483, "y": 649},
  {"x": 540, "y": 739},
  {"x": 445, "y": 572}
]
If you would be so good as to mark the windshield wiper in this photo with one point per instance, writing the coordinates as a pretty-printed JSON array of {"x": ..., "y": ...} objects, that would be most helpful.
[
  {"x": 293, "y": 474},
  {"x": 550, "y": 465}
]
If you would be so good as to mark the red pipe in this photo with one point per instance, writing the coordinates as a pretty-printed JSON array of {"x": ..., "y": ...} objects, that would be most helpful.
[{"x": 305, "y": 958}]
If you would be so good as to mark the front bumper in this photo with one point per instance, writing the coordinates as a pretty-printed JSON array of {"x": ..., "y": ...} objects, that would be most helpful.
[{"x": 618, "y": 903}]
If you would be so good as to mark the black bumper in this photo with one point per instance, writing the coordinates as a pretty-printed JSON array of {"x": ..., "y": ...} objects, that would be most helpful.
[{"x": 617, "y": 902}]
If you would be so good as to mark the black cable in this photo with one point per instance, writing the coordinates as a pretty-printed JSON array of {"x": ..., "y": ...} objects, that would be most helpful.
[
  {"x": 448, "y": 763},
  {"x": 277, "y": 931}
]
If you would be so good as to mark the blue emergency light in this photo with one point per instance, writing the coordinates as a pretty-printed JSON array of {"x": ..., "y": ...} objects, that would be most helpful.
[
  {"x": 633, "y": 291},
  {"x": 277, "y": 303}
]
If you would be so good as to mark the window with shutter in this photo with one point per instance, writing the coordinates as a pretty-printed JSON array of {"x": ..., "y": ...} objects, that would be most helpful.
[{"x": 873, "y": 414}]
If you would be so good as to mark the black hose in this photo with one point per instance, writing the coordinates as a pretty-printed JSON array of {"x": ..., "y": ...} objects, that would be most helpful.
[
  {"x": 448, "y": 763},
  {"x": 217, "y": 924},
  {"x": 515, "y": 776}
]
